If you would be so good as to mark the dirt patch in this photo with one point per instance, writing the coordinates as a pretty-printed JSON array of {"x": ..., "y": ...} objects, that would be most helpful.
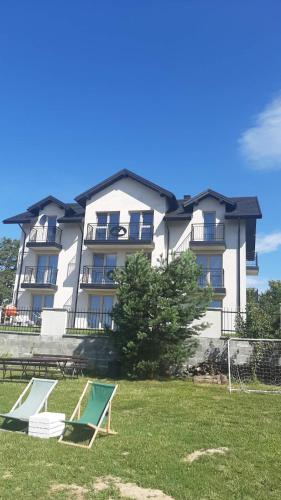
[
  {"x": 129, "y": 490},
  {"x": 72, "y": 491},
  {"x": 195, "y": 455},
  {"x": 7, "y": 475}
]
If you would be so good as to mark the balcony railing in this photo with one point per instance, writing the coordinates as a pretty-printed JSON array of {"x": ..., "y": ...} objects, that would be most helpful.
[
  {"x": 207, "y": 232},
  {"x": 98, "y": 275},
  {"x": 89, "y": 322},
  {"x": 212, "y": 277},
  {"x": 127, "y": 231},
  {"x": 44, "y": 234},
  {"x": 252, "y": 263},
  {"x": 46, "y": 275}
]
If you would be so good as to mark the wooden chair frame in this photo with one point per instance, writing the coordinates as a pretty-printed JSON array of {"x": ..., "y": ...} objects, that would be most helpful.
[{"x": 95, "y": 428}]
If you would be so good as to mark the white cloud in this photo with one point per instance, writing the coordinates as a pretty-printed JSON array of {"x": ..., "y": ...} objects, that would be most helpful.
[
  {"x": 257, "y": 282},
  {"x": 261, "y": 144},
  {"x": 269, "y": 242}
]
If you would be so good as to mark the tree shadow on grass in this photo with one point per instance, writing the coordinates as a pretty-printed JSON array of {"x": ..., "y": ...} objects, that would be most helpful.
[{"x": 14, "y": 425}]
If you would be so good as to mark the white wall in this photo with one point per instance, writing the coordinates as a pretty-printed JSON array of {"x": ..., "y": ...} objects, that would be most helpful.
[
  {"x": 124, "y": 196},
  {"x": 213, "y": 319},
  {"x": 68, "y": 261}
]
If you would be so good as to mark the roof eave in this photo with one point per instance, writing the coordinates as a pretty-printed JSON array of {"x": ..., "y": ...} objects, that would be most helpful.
[{"x": 83, "y": 197}]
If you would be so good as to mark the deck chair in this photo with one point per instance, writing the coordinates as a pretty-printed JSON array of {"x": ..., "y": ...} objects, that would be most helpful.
[
  {"x": 97, "y": 410},
  {"x": 39, "y": 391}
]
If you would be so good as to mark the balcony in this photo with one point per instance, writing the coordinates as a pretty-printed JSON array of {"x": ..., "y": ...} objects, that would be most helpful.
[
  {"x": 98, "y": 277},
  {"x": 125, "y": 235},
  {"x": 207, "y": 236},
  {"x": 45, "y": 238},
  {"x": 252, "y": 265},
  {"x": 40, "y": 278},
  {"x": 214, "y": 278}
]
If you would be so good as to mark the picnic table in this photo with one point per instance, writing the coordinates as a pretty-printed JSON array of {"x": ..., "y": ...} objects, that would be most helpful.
[{"x": 42, "y": 363}]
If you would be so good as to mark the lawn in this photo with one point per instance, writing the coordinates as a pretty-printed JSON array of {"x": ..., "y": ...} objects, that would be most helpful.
[{"x": 158, "y": 423}]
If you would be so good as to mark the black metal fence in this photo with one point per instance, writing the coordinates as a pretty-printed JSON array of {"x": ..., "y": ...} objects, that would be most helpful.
[
  {"x": 98, "y": 275},
  {"x": 212, "y": 277},
  {"x": 207, "y": 232},
  {"x": 46, "y": 275},
  {"x": 88, "y": 322},
  {"x": 231, "y": 321},
  {"x": 20, "y": 320},
  {"x": 45, "y": 234},
  {"x": 118, "y": 232},
  {"x": 252, "y": 262}
]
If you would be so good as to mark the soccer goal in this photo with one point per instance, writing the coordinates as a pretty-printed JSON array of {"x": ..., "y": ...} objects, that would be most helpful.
[{"x": 254, "y": 365}]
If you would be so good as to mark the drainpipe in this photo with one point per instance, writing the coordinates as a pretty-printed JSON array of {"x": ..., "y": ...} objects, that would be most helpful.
[
  {"x": 21, "y": 264},
  {"x": 79, "y": 267},
  {"x": 238, "y": 266},
  {"x": 168, "y": 241}
]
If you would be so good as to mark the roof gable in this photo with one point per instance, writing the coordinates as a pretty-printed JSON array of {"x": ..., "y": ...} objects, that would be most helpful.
[
  {"x": 83, "y": 197},
  {"x": 44, "y": 202},
  {"x": 205, "y": 194}
]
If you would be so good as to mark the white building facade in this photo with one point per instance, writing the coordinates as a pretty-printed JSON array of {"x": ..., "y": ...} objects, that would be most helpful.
[{"x": 68, "y": 251}]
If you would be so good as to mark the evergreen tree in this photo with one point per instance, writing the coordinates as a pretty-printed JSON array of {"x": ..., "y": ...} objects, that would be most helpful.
[
  {"x": 8, "y": 262},
  {"x": 154, "y": 312}
]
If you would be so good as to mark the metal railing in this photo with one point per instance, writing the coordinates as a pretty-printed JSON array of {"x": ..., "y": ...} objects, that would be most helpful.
[
  {"x": 20, "y": 320},
  {"x": 98, "y": 275},
  {"x": 44, "y": 234},
  {"x": 212, "y": 277},
  {"x": 122, "y": 231},
  {"x": 207, "y": 232},
  {"x": 88, "y": 322},
  {"x": 231, "y": 320},
  {"x": 252, "y": 263},
  {"x": 45, "y": 275}
]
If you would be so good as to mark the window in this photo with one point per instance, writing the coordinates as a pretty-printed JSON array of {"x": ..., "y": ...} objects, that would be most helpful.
[
  {"x": 38, "y": 303},
  {"x": 212, "y": 271},
  {"x": 215, "y": 304},
  {"x": 51, "y": 229},
  {"x": 209, "y": 225},
  {"x": 100, "y": 307},
  {"x": 106, "y": 222},
  {"x": 47, "y": 269},
  {"x": 141, "y": 226},
  {"x": 103, "y": 267}
]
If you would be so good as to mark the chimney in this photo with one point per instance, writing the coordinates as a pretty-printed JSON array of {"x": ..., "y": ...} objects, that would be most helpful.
[{"x": 186, "y": 197}]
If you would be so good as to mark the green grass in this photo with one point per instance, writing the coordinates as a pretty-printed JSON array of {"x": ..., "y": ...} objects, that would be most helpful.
[
  {"x": 157, "y": 423},
  {"x": 84, "y": 331},
  {"x": 19, "y": 329}
]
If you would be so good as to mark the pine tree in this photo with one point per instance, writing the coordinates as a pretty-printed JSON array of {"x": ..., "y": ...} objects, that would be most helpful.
[{"x": 154, "y": 312}]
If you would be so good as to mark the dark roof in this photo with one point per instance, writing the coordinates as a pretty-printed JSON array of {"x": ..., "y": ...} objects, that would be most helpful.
[
  {"x": 45, "y": 201},
  {"x": 23, "y": 218},
  {"x": 179, "y": 214},
  {"x": 209, "y": 192},
  {"x": 82, "y": 198},
  {"x": 245, "y": 206},
  {"x": 73, "y": 213}
]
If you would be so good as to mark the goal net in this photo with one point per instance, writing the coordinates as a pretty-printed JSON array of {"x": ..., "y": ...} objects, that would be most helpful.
[{"x": 254, "y": 365}]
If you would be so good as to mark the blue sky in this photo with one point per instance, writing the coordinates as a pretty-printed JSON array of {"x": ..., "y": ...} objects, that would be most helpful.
[{"x": 185, "y": 93}]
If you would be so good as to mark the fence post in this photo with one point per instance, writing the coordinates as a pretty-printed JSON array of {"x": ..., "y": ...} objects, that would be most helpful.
[{"x": 53, "y": 322}]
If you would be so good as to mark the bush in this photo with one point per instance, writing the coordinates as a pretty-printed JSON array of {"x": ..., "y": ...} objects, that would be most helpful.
[{"x": 154, "y": 312}]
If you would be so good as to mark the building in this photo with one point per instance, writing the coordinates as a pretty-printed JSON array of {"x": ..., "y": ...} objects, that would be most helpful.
[{"x": 69, "y": 250}]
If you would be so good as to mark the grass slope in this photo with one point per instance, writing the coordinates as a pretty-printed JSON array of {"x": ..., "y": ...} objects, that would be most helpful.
[{"x": 157, "y": 423}]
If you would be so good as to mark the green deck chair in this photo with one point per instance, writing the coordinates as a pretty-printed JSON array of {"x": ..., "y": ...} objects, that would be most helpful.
[
  {"x": 97, "y": 410},
  {"x": 39, "y": 391}
]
